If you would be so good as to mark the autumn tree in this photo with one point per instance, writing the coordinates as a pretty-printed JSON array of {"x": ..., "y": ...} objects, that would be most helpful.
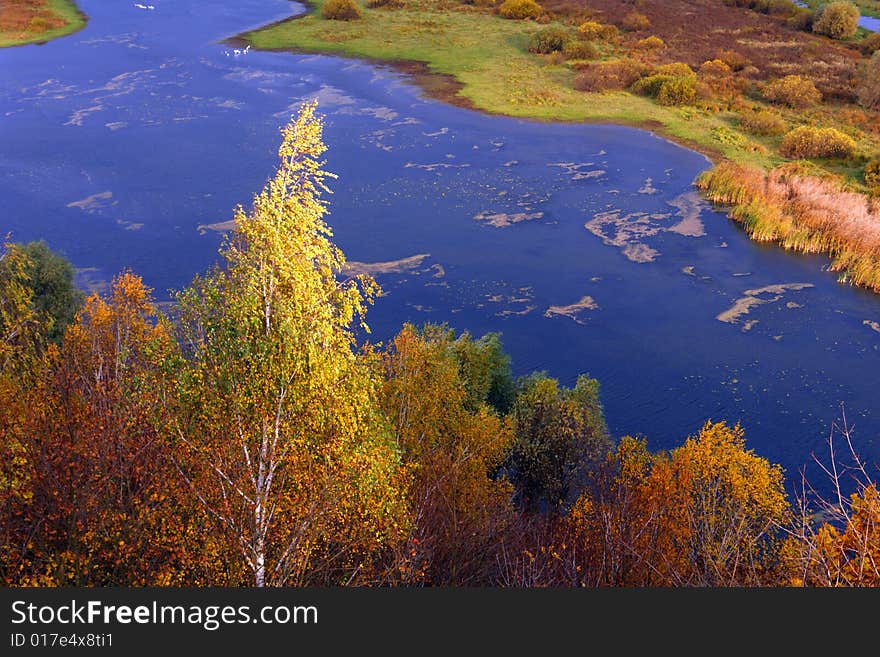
[
  {"x": 559, "y": 434},
  {"x": 103, "y": 505},
  {"x": 273, "y": 416},
  {"x": 709, "y": 513},
  {"x": 453, "y": 442},
  {"x": 835, "y": 536},
  {"x": 22, "y": 328}
]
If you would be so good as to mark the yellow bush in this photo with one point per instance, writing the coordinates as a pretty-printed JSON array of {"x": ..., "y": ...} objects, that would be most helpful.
[
  {"x": 714, "y": 68},
  {"x": 676, "y": 69},
  {"x": 763, "y": 122},
  {"x": 593, "y": 30},
  {"x": 810, "y": 142},
  {"x": 792, "y": 90},
  {"x": 839, "y": 20},
  {"x": 520, "y": 9},
  {"x": 580, "y": 50},
  {"x": 650, "y": 43},
  {"x": 341, "y": 10}
]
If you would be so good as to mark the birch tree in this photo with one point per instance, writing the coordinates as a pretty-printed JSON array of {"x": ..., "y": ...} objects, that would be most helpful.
[{"x": 276, "y": 424}]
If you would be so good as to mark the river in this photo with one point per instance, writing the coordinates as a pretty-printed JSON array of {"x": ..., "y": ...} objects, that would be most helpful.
[{"x": 129, "y": 143}]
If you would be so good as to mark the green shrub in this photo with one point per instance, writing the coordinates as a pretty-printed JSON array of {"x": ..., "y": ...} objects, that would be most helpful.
[
  {"x": 650, "y": 85},
  {"x": 810, "y": 142},
  {"x": 636, "y": 22},
  {"x": 593, "y": 30},
  {"x": 839, "y": 20},
  {"x": 872, "y": 173},
  {"x": 609, "y": 76},
  {"x": 549, "y": 39},
  {"x": 763, "y": 122},
  {"x": 670, "y": 84},
  {"x": 341, "y": 10},
  {"x": 575, "y": 49},
  {"x": 650, "y": 43},
  {"x": 520, "y": 9},
  {"x": 869, "y": 83},
  {"x": 792, "y": 90}
]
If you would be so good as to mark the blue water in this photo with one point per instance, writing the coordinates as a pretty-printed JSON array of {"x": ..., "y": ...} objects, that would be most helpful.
[{"x": 126, "y": 144}]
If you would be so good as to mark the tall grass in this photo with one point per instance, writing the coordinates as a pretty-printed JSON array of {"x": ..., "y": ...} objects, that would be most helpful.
[{"x": 805, "y": 213}]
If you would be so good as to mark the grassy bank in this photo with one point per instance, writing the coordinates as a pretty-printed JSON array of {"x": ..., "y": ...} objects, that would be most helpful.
[
  {"x": 720, "y": 63},
  {"x": 37, "y": 21},
  {"x": 488, "y": 59}
]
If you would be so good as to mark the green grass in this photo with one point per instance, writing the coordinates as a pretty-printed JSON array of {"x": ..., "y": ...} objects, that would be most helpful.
[
  {"x": 488, "y": 56},
  {"x": 66, "y": 9}
]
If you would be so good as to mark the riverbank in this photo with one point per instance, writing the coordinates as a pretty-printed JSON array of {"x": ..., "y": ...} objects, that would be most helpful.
[
  {"x": 462, "y": 55},
  {"x": 468, "y": 55},
  {"x": 37, "y": 21}
]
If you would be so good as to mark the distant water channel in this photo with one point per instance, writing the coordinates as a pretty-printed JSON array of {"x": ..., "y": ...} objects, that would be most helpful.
[{"x": 129, "y": 143}]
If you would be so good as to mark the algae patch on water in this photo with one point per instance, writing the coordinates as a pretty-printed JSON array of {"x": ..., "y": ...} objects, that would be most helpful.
[
  {"x": 575, "y": 311},
  {"x": 402, "y": 266},
  {"x": 757, "y": 297}
]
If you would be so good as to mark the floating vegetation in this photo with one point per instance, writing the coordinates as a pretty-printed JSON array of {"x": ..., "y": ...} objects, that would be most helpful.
[
  {"x": 94, "y": 203},
  {"x": 757, "y": 297},
  {"x": 402, "y": 266},
  {"x": 516, "y": 304},
  {"x": 689, "y": 205},
  {"x": 577, "y": 170},
  {"x": 504, "y": 219},
  {"x": 575, "y": 311},
  {"x": 434, "y": 166}
]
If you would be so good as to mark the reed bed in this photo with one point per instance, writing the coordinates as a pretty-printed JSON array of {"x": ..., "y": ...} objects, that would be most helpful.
[{"x": 804, "y": 213}]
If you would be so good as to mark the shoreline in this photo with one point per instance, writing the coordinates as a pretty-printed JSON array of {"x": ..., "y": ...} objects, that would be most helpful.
[{"x": 446, "y": 87}]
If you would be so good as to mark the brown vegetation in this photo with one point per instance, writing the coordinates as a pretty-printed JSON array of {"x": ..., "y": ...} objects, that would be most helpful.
[
  {"x": 805, "y": 213},
  {"x": 341, "y": 10},
  {"x": 28, "y": 16},
  {"x": 695, "y": 31}
]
